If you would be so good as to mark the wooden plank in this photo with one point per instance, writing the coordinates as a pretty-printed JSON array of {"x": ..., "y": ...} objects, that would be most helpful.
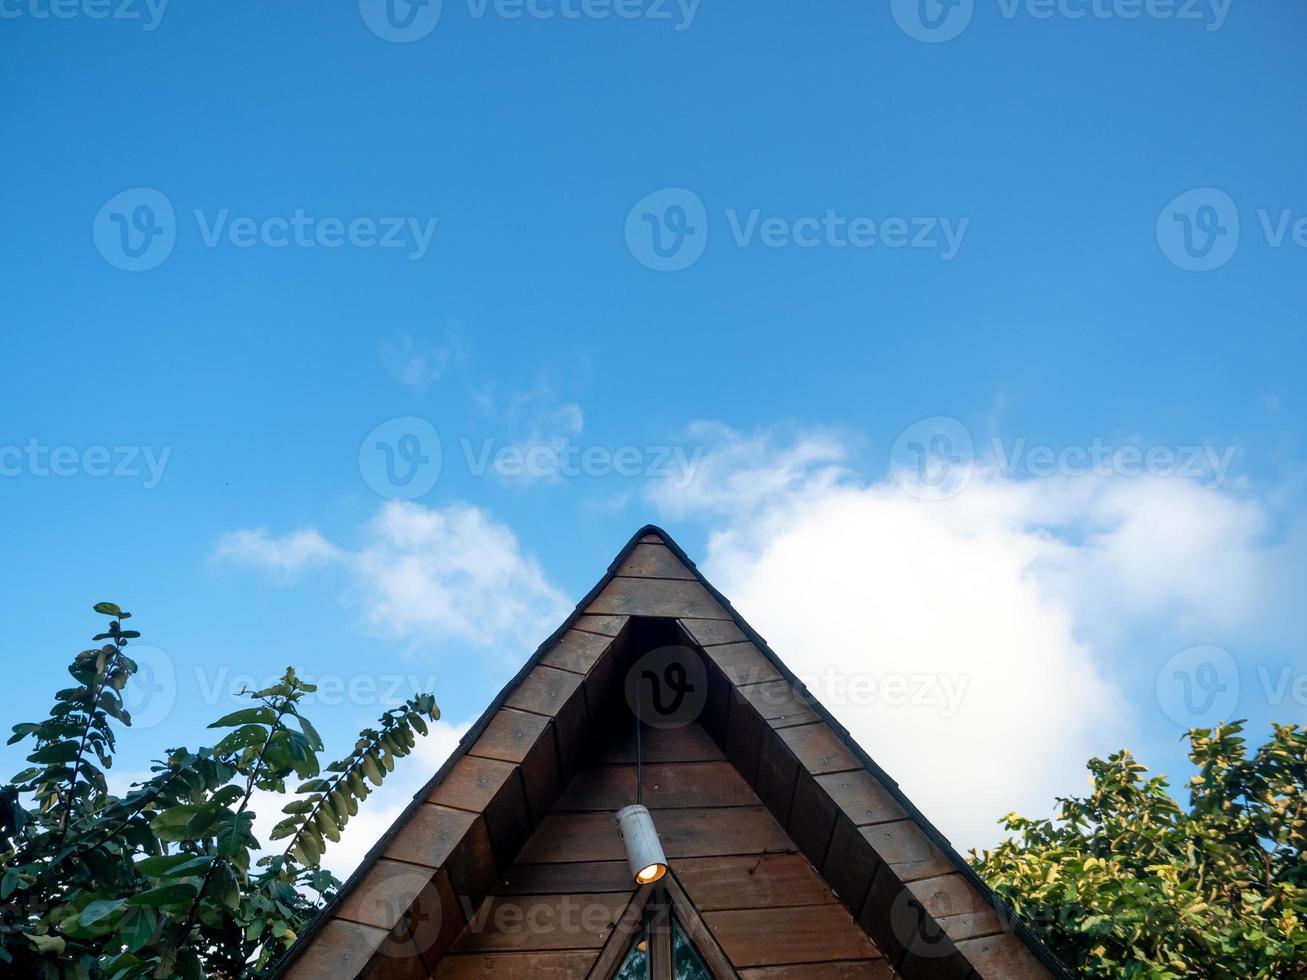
[
  {"x": 684, "y": 833},
  {"x": 561, "y": 879},
  {"x": 848, "y": 970},
  {"x": 779, "y": 704},
  {"x": 862, "y": 797},
  {"x": 812, "y": 818},
  {"x": 385, "y": 894},
  {"x": 850, "y": 865},
  {"x": 778, "y": 773},
  {"x": 811, "y": 934},
  {"x": 544, "y": 691},
  {"x": 666, "y": 786},
  {"x": 710, "y": 632},
  {"x": 509, "y": 736},
  {"x": 744, "y": 731},
  {"x": 1003, "y": 957},
  {"x": 472, "y": 783},
  {"x": 430, "y": 835},
  {"x": 471, "y": 866},
  {"x": 653, "y": 561},
  {"x": 569, "y": 965},
  {"x": 541, "y": 779},
  {"x": 956, "y": 906},
  {"x": 603, "y": 625},
  {"x": 577, "y": 651},
  {"x": 656, "y": 597},
  {"x": 906, "y": 849},
  {"x": 541, "y": 922},
  {"x": 819, "y": 750},
  {"x": 742, "y": 663},
  {"x": 339, "y": 951},
  {"x": 508, "y": 819},
  {"x": 752, "y": 882},
  {"x": 689, "y": 743}
]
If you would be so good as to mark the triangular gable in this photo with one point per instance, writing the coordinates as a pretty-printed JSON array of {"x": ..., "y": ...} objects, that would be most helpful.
[{"x": 909, "y": 890}]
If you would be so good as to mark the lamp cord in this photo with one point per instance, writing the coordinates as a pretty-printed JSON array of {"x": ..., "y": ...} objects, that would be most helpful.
[{"x": 639, "y": 752}]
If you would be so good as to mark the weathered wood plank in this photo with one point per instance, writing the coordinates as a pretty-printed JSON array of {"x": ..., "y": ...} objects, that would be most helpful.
[
  {"x": 571, "y": 965},
  {"x": 656, "y": 597},
  {"x": 742, "y": 663},
  {"x": 752, "y": 882},
  {"x": 430, "y": 835},
  {"x": 603, "y": 625},
  {"x": 1003, "y": 957},
  {"x": 577, "y": 651},
  {"x": 907, "y": 850},
  {"x": 509, "y": 736},
  {"x": 710, "y": 632},
  {"x": 472, "y": 783},
  {"x": 653, "y": 561},
  {"x": 544, "y": 691},
  {"x": 956, "y": 906},
  {"x": 689, "y": 743},
  {"x": 387, "y": 891},
  {"x": 666, "y": 786},
  {"x": 862, "y": 797},
  {"x": 684, "y": 833},
  {"x": 778, "y": 773},
  {"x": 812, "y": 819},
  {"x": 810, "y": 934},
  {"x": 779, "y": 704},
  {"x": 338, "y": 952},
  {"x": 850, "y": 864},
  {"x": 542, "y": 922},
  {"x": 819, "y": 750},
  {"x": 562, "y": 879}
]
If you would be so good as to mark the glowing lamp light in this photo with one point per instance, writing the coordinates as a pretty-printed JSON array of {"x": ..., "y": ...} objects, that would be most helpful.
[{"x": 644, "y": 852}]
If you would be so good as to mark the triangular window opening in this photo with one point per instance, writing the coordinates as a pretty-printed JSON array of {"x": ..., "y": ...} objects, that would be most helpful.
[{"x": 686, "y": 963}]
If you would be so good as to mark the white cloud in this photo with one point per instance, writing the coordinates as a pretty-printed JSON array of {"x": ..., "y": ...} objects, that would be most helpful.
[
  {"x": 422, "y": 574},
  {"x": 453, "y": 572},
  {"x": 421, "y": 367},
  {"x": 997, "y": 598},
  {"x": 284, "y": 558}
]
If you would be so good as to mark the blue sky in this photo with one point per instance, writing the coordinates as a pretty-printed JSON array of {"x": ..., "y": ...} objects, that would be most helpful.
[{"x": 877, "y": 226}]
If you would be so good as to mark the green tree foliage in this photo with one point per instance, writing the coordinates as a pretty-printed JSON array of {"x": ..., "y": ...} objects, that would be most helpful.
[
  {"x": 1127, "y": 883},
  {"x": 166, "y": 881}
]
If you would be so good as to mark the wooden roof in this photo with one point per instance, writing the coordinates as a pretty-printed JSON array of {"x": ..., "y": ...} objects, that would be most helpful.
[{"x": 800, "y": 856}]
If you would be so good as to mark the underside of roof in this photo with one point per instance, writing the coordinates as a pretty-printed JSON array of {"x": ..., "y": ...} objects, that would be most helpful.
[{"x": 797, "y": 855}]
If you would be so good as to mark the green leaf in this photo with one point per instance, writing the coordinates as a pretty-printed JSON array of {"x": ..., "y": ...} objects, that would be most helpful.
[
  {"x": 107, "y": 609},
  {"x": 98, "y": 911},
  {"x": 177, "y": 893}
]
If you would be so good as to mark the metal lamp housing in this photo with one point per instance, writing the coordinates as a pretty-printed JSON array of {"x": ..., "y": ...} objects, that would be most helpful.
[{"x": 644, "y": 852}]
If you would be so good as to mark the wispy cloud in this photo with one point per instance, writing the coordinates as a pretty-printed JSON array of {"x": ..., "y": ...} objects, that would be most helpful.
[{"x": 421, "y": 574}]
